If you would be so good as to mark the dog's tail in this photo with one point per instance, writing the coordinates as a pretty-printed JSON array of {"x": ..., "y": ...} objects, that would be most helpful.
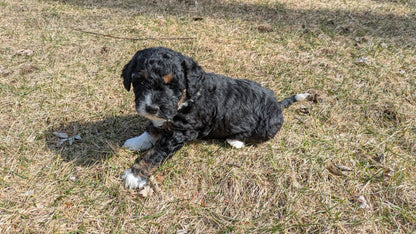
[{"x": 292, "y": 99}]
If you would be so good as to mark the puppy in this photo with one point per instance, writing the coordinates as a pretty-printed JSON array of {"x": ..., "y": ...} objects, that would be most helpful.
[{"x": 184, "y": 103}]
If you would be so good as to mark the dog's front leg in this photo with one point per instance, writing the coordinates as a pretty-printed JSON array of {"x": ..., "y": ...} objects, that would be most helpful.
[
  {"x": 143, "y": 168},
  {"x": 149, "y": 162}
]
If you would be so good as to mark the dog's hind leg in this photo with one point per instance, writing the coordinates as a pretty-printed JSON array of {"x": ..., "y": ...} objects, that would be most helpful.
[{"x": 236, "y": 143}]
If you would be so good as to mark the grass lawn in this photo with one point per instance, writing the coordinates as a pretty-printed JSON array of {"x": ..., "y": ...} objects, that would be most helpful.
[{"x": 344, "y": 162}]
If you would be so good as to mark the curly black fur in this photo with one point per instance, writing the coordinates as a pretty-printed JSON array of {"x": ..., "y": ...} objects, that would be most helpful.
[{"x": 184, "y": 103}]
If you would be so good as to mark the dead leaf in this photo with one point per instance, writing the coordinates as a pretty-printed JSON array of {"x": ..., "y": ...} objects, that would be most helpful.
[
  {"x": 360, "y": 200},
  {"x": 26, "y": 69},
  {"x": 343, "y": 168},
  {"x": 65, "y": 138},
  {"x": 105, "y": 203},
  {"x": 4, "y": 72},
  {"x": 304, "y": 110},
  {"x": 388, "y": 172},
  {"x": 159, "y": 178},
  {"x": 316, "y": 96},
  {"x": 153, "y": 181},
  {"x": 182, "y": 231},
  {"x": 28, "y": 193},
  {"x": 362, "y": 61},
  {"x": 379, "y": 157},
  {"x": 334, "y": 169},
  {"x": 362, "y": 39},
  {"x": 104, "y": 50},
  {"x": 146, "y": 191},
  {"x": 73, "y": 138},
  {"x": 265, "y": 28},
  {"x": 24, "y": 52},
  {"x": 60, "y": 134}
]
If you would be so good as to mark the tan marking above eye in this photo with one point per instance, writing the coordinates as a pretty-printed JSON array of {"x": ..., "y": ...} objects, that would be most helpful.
[
  {"x": 144, "y": 73},
  {"x": 168, "y": 78}
]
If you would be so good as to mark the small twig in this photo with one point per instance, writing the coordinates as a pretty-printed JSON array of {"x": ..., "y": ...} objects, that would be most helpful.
[
  {"x": 231, "y": 164},
  {"x": 133, "y": 38}
]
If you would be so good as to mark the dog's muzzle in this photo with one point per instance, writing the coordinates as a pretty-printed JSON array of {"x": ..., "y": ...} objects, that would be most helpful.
[{"x": 152, "y": 112}]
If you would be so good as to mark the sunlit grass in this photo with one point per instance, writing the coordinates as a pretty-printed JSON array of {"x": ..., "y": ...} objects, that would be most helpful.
[{"x": 355, "y": 141}]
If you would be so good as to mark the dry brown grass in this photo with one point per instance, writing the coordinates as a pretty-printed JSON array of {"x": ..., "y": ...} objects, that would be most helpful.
[{"x": 357, "y": 56}]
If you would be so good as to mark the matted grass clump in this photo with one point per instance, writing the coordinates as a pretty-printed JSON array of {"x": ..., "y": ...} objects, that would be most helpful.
[{"x": 343, "y": 162}]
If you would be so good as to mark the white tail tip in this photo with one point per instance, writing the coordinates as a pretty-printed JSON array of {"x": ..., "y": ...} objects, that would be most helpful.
[{"x": 302, "y": 96}]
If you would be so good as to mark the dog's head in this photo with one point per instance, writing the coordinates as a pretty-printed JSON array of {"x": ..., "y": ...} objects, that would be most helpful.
[{"x": 163, "y": 80}]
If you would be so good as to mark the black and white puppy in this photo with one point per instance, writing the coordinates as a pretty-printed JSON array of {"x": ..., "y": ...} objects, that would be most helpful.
[{"x": 184, "y": 103}]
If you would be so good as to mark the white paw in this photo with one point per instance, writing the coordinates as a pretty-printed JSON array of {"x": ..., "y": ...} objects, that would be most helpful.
[
  {"x": 142, "y": 142},
  {"x": 235, "y": 143},
  {"x": 302, "y": 96},
  {"x": 133, "y": 181}
]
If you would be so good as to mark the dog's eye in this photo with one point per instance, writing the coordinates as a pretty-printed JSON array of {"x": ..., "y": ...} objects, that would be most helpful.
[
  {"x": 142, "y": 82},
  {"x": 158, "y": 87},
  {"x": 172, "y": 85}
]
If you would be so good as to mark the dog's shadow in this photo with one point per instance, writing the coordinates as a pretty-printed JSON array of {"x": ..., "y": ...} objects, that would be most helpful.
[{"x": 88, "y": 143}]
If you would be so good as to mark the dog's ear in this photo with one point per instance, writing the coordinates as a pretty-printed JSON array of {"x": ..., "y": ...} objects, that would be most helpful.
[
  {"x": 192, "y": 73},
  {"x": 127, "y": 75}
]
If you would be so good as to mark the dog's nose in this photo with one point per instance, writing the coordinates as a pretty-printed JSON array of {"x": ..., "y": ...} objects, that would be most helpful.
[{"x": 151, "y": 109}]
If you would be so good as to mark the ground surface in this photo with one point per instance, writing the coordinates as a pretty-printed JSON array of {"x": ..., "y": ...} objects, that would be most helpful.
[{"x": 344, "y": 162}]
